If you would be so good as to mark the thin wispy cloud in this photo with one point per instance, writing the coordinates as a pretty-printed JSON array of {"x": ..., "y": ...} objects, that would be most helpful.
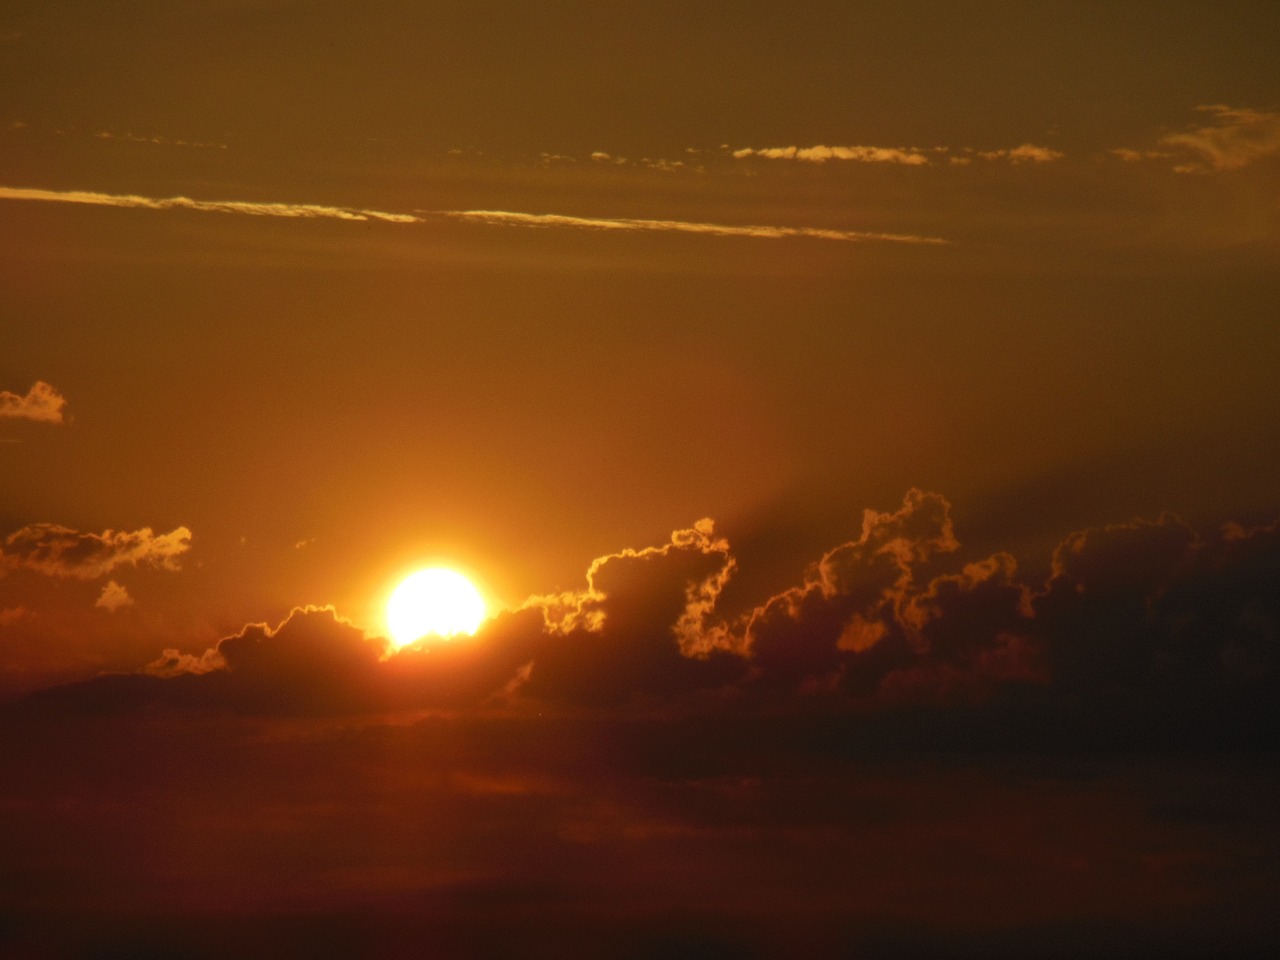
[
  {"x": 512, "y": 218},
  {"x": 250, "y": 208},
  {"x": 903, "y": 156},
  {"x": 1237, "y": 137},
  {"x": 157, "y": 140},
  {"x": 910, "y": 156},
  {"x": 507, "y": 218},
  {"x": 1025, "y": 153}
]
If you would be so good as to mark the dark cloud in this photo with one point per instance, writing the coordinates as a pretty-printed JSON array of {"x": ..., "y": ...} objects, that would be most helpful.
[
  {"x": 1151, "y": 607},
  {"x": 57, "y": 551},
  {"x": 1146, "y": 625},
  {"x": 638, "y": 628}
]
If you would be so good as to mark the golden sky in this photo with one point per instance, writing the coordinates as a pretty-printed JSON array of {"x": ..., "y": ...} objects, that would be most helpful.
[
  {"x": 518, "y": 285},
  {"x": 910, "y": 364}
]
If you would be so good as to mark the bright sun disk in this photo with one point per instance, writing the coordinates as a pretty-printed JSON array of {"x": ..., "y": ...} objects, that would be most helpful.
[{"x": 437, "y": 601}]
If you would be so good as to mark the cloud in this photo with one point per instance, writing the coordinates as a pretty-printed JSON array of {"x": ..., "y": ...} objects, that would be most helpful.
[
  {"x": 43, "y": 403},
  {"x": 904, "y": 156},
  {"x": 512, "y": 218},
  {"x": 1150, "y": 628},
  {"x": 637, "y": 628},
  {"x": 58, "y": 551},
  {"x": 1236, "y": 137},
  {"x": 1026, "y": 153},
  {"x": 173, "y": 663},
  {"x": 1150, "y": 607},
  {"x": 844, "y": 627},
  {"x": 157, "y": 140},
  {"x": 10, "y": 615},
  {"x": 1129, "y": 155},
  {"x": 113, "y": 597},
  {"x": 909, "y": 156},
  {"x": 290, "y": 210},
  {"x": 491, "y": 217},
  {"x": 628, "y": 635}
]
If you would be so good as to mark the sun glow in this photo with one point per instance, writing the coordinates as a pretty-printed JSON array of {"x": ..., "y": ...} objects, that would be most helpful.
[{"x": 434, "y": 602}]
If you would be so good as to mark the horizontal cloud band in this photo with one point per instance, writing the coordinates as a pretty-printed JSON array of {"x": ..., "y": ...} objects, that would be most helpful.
[
  {"x": 490, "y": 217},
  {"x": 510, "y": 218},
  {"x": 293, "y": 210}
]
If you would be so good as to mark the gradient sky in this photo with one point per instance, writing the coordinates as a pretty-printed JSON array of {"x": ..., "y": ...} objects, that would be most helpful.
[{"x": 297, "y": 297}]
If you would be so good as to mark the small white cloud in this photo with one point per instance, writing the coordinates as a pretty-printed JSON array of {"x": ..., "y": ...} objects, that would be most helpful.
[
  {"x": 113, "y": 597},
  {"x": 1026, "y": 153},
  {"x": 42, "y": 403},
  {"x": 909, "y": 156}
]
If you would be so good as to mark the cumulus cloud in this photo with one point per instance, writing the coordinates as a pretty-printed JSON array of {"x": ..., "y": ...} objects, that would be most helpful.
[
  {"x": 57, "y": 551},
  {"x": 1146, "y": 622},
  {"x": 113, "y": 597},
  {"x": 849, "y": 623},
  {"x": 1150, "y": 606},
  {"x": 637, "y": 628},
  {"x": 42, "y": 403},
  {"x": 1235, "y": 138}
]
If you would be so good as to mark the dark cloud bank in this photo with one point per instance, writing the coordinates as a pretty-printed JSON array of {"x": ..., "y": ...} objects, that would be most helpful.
[
  {"x": 909, "y": 753},
  {"x": 1147, "y": 628}
]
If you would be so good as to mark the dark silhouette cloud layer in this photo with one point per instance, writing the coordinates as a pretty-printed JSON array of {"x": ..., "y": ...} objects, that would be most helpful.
[{"x": 1144, "y": 619}]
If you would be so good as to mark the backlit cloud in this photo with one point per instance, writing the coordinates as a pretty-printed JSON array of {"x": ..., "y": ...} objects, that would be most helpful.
[
  {"x": 42, "y": 403},
  {"x": 58, "y": 551},
  {"x": 1236, "y": 137},
  {"x": 1146, "y": 615}
]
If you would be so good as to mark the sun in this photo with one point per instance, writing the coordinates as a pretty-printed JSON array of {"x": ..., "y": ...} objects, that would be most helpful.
[{"x": 438, "y": 602}]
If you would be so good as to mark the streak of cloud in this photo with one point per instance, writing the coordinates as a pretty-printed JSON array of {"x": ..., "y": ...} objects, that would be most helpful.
[
  {"x": 512, "y": 218},
  {"x": 910, "y": 156},
  {"x": 507, "y": 218},
  {"x": 290, "y": 210},
  {"x": 43, "y": 403},
  {"x": 903, "y": 156},
  {"x": 1026, "y": 153}
]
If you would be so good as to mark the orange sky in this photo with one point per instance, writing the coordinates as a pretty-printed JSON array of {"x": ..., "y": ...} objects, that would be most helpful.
[
  {"x": 860, "y": 417},
  {"x": 769, "y": 268}
]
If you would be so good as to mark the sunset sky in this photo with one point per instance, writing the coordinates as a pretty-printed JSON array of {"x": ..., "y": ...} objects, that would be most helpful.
[{"x": 905, "y": 366}]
